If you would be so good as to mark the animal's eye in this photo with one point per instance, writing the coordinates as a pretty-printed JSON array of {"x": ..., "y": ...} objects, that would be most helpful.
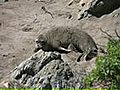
[{"x": 42, "y": 41}]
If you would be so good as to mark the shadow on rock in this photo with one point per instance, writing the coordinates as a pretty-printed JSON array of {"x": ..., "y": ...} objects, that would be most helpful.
[{"x": 99, "y": 8}]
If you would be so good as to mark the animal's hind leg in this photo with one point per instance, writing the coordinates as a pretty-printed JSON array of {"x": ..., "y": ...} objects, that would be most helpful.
[
  {"x": 72, "y": 48},
  {"x": 82, "y": 57}
]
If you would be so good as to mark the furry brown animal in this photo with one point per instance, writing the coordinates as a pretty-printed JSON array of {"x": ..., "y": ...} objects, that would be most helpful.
[{"x": 59, "y": 39}]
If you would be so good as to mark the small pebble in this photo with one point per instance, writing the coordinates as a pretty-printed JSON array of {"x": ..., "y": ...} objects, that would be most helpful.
[
  {"x": 24, "y": 49},
  {"x": 5, "y": 55},
  {"x": 13, "y": 56}
]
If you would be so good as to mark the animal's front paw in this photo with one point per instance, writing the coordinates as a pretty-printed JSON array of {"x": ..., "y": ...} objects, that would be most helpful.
[
  {"x": 36, "y": 49},
  {"x": 68, "y": 50}
]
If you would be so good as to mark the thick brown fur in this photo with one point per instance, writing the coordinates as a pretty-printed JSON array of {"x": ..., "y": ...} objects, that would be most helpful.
[{"x": 59, "y": 39}]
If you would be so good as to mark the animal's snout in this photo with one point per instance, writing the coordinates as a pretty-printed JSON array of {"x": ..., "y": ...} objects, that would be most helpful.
[{"x": 38, "y": 44}]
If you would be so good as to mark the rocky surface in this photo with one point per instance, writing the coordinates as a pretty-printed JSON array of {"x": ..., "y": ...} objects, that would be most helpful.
[
  {"x": 98, "y": 8},
  {"x": 2, "y": 1},
  {"x": 20, "y": 24},
  {"x": 46, "y": 70}
]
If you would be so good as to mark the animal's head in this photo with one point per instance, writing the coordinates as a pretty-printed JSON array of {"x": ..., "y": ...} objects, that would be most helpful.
[{"x": 40, "y": 42}]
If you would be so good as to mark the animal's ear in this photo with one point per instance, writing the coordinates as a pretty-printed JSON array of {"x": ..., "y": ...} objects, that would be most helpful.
[{"x": 41, "y": 38}]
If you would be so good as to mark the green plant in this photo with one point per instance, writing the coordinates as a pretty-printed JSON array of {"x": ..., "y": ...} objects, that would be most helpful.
[{"x": 107, "y": 67}]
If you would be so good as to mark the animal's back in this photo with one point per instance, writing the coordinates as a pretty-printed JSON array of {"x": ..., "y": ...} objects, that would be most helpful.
[
  {"x": 59, "y": 35},
  {"x": 67, "y": 35},
  {"x": 83, "y": 40}
]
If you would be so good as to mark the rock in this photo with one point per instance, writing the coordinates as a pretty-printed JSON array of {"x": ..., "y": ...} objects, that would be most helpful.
[
  {"x": 98, "y": 8},
  {"x": 46, "y": 70},
  {"x": 2, "y": 1}
]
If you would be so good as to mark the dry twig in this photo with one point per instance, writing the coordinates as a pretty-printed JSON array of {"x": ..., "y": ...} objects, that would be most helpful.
[
  {"x": 44, "y": 9},
  {"x": 117, "y": 34}
]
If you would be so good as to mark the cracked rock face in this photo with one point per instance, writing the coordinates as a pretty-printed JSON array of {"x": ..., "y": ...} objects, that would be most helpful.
[
  {"x": 98, "y": 8},
  {"x": 45, "y": 70},
  {"x": 2, "y": 1}
]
